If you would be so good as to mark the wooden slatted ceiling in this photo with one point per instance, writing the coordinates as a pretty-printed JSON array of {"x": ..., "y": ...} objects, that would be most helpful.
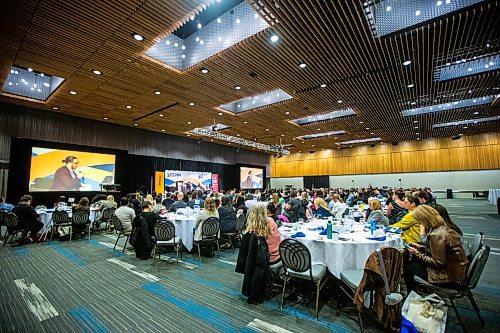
[{"x": 69, "y": 39}]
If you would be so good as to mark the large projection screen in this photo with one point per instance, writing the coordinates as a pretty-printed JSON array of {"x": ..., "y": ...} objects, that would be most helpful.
[{"x": 251, "y": 178}]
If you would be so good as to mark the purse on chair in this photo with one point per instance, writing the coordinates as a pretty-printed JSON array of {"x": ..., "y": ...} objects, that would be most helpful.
[{"x": 428, "y": 314}]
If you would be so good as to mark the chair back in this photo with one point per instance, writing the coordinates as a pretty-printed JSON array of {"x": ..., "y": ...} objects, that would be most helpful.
[
  {"x": 80, "y": 217},
  {"x": 60, "y": 216},
  {"x": 117, "y": 224},
  {"x": 477, "y": 266},
  {"x": 11, "y": 220},
  {"x": 240, "y": 222},
  {"x": 295, "y": 255},
  {"x": 164, "y": 230},
  {"x": 476, "y": 244},
  {"x": 210, "y": 228},
  {"x": 40, "y": 207},
  {"x": 108, "y": 213},
  {"x": 2, "y": 214}
]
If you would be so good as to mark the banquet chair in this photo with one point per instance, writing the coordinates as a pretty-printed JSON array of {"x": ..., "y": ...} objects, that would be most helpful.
[
  {"x": 106, "y": 217},
  {"x": 209, "y": 234},
  {"x": 117, "y": 224},
  {"x": 373, "y": 279},
  {"x": 240, "y": 223},
  {"x": 60, "y": 219},
  {"x": 473, "y": 275},
  {"x": 40, "y": 207},
  {"x": 297, "y": 264},
  {"x": 165, "y": 236},
  {"x": 476, "y": 244},
  {"x": 12, "y": 222},
  {"x": 81, "y": 218}
]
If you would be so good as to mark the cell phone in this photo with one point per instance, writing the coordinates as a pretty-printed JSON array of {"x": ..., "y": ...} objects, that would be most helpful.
[{"x": 408, "y": 246}]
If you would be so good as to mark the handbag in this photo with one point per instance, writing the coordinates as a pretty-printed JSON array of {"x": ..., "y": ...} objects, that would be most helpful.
[{"x": 428, "y": 314}]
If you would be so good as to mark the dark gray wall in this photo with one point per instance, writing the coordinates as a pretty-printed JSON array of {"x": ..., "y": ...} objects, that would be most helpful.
[{"x": 22, "y": 122}]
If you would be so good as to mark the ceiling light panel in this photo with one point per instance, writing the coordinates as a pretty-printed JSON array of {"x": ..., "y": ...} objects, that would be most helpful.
[
  {"x": 321, "y": 135},
  {"x": 467, "y": 68},
  {"x": 187, "y": 47},
  {"x": 466, "y": 122},
  {"x": 262, "y": 100},
  {"x": 315, "y": 118},
  {"x": 31, "y": 84},
  {"x": 408, "y": 13},
  {"x": 465, "y": 103},
  {"x": 360, "y": 141}
]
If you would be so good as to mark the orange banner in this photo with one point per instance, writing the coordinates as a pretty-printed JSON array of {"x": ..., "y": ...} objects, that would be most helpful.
[{"x": 159, "y": 182}]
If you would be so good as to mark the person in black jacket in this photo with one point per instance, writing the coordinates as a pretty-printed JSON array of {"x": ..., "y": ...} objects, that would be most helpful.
[
  {"x": 227, "y": 216},
  {"x": 253, "y": 257},
  {"x": 28, "y": 217},
  {"x": 145, "y": 222}
]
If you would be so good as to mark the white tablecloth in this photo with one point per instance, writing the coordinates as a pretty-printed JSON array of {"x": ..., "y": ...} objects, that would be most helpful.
[
  {"x": 184, "y": 226},
  {"x": 493, "y": 195},
  {"x": 339, "y": 255},
  {"x": 46, "y": 216}
]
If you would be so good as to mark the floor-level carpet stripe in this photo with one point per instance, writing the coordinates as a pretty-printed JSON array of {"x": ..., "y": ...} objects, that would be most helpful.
[
  {"x": 132, "y": 269},
  {"x": 87, "y": 321},
  {"x": 261, "y": 326},
  {"x": 36, "y": 301},
  {"x": 68, "y": 254}
]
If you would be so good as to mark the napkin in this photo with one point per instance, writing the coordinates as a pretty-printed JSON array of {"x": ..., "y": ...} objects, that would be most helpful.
[
  {"x": 381, "y": 239},
  {"x": 324, "y": 232},
  {"x": 393, "y": 230},
  {"x": 298, "y": 234}
]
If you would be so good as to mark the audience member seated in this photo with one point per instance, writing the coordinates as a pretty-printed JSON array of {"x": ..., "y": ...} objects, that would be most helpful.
[
  {"x": 410, "y": 228},
  {"x": 275, "y": 199},
  {"x": 250, "y": 200},
  {"x": 145, "y": 222},
  {"x": 111, "y": 199},
  {"x": 377, "y": 214},
  {"x": 158, "y": 207},
  {"x": 442, "y": 259},
  {"x": 136, "y": 202},
  {"x": 271, "y": 212},
  {"x": 227, "y": 216},
  {"x": 4, "y": 206},
  {"x": 81, "y": 206},
  {"x": 196, "y": 201},
  {"x": 125, "y": 214},
  {"x": 28, "y": 217},
  {"x": 292, "y": 207},
  {"x": 322, "y": 210},
  {"x": 337, "y": 206},
  {"x": 208, "y": 211},
  {"x": 61, "y": 202},
  {"x": 150, "y": 199},
  {"x": 239, "y": 205},
  {"x": 396, "y": 210},
  {"x": 168, "y": 201},
  {"x": 179, "y": 203},
  {"x": 422, "y": 196},
  {"x": 253, "y": 257}
]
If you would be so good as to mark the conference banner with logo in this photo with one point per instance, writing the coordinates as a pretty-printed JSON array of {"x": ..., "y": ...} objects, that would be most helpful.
[
  {"x": 215, "y": 182},
  {"x": 191, "y": 179}
]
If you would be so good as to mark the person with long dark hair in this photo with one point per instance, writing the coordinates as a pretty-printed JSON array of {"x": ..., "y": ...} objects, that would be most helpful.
[
  {"x": 145, "y": 222},
  {"x": 410, "y": 228},
  {"x": 447, "y": 219}
]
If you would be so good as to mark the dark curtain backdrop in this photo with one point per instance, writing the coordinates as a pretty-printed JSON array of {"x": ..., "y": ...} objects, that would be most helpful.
[
  {"x": 316, "y": 181},
  {"x": 132, "y": 172}
]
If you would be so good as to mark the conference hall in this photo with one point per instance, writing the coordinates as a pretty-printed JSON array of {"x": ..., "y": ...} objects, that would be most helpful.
[{"x": 255, "y": 166}]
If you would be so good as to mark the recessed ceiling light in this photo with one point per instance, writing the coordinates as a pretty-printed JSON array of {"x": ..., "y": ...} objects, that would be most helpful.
[
  {"x": 161, "y": 115},
  {"x": 105, "y": 118},
  {"x": 339, "y": 101},
  {"x": 302, "y": 65},
  {"x": 157, "y": 92},
  {"x": 73, "y": 92},
  {"x": 136, "y": 124},
  {"x": 323, "y": 85},
  {"x": 138, "y": 37},
  {"x": 416, "y": 127},
  {"x": 439, "y": 3},
  {"x": 30, "y": 69},
  {"x": 238, "y": 21},
  {"x": 407, "y": 62},
  {"x": 288, "y": 112},
  {"x": 188, "y": 134},
  {"x": 417, "y": 13},
  {"x": 388, "y": 8},
  {"x": 267, "y": 129},
  {"x": 274, "y": 38},
  {"x": 415, "y": 121},
  {"x": 245, "y": 122},
  {"x": 204, "y": 70},
  {"x": 96, "y": 72},
  {"x": 219, "y": 20},
  {"x": 282, "y": 134},
  {"x": 163, "y": 130},
  {"x": 189, "y": 122},
  {"x": 476, "y": 113},
  {"x": 361, "y": 122},
  {"x": 411, "y": 85},
  {"x": 312, "y": 145},
  {"x": 466, "y": 127},
  {"x": 318, "y": 129},
  {"x": 368, "y": 128},
  {"x": 191, "y": 104},
  {"x": 237, "y": 87},
  {"x": 55, "y": 108},
  {"x": 212, "y": 140},
  {"x": 128, "y": 106},
  {"x": 220, "y": 113},
  {"x": 413, "y": 103},
  {"x": 238, "y": 134},
  {"x": 199, "y": 25}
]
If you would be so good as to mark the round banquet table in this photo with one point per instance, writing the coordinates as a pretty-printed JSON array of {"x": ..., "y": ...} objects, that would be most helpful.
[
  {"x": 46, "y": 215},
  {"x": 184, "y": 226},
  {"x": 493, "y": 195},
  {"x": 338, "y": 255}
]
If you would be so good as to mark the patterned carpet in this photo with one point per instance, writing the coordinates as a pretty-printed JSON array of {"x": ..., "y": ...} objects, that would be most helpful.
[{"x": 86, "y": 286}]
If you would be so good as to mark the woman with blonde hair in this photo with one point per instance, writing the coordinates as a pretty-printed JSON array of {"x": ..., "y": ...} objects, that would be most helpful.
[
  {"x": 111, "y": 199},
  {"x": 322, "y": 209},
  {"x": 337, "y": 206},
  {"x": 376, "y": 213},
  {"x": 209, "y": 210},
  {"x": 149, "y": 198},
  {"x": 442, "y": 259}
]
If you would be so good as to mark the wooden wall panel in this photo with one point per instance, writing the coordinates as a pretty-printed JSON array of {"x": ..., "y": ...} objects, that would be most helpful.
[{"x": 470, "y": 153}]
